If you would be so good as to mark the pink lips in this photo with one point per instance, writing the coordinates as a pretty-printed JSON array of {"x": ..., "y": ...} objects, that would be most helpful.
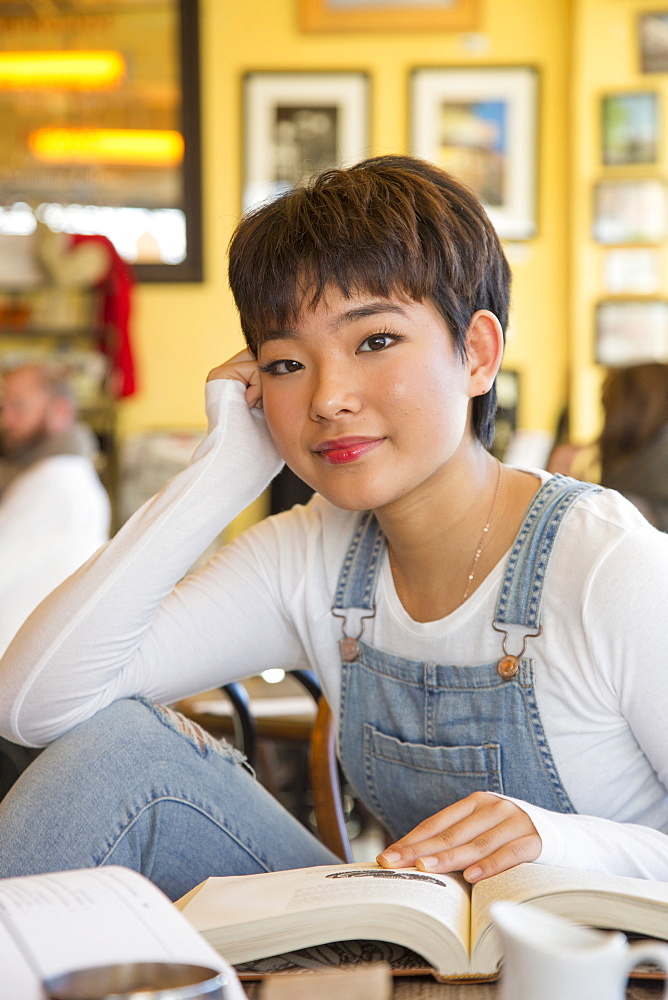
[{"x": 343, "y": 450}]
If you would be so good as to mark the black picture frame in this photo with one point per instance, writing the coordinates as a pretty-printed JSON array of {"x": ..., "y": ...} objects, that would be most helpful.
[
  {"x": 31, "y": 190},
  {"x": 191, "y": 268}
]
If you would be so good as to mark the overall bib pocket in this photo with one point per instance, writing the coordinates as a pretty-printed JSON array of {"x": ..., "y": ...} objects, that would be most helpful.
[{"x": 407, "y": 782}]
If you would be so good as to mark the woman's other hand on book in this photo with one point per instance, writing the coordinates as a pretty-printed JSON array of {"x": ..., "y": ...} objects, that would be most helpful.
[
  {"x": 242, "y": 368},
  {"x": 480, "y": 836}
]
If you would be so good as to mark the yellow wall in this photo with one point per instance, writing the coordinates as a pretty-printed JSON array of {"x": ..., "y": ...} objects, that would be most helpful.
[
  {"x": 183, "y": 330},
  {"x": 605, "y": 60}
]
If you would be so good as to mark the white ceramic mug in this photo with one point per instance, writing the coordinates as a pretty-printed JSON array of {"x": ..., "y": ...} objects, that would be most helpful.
[{"x": 549, "y": 958}]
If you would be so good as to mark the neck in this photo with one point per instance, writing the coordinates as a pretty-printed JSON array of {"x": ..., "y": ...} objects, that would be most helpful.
[
  {"x": 432, "y": 542},
  {"x": 436, "y": 539}
]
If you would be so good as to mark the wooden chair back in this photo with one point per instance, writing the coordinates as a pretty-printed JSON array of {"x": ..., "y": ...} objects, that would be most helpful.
[{"x": 326, "y": 784}]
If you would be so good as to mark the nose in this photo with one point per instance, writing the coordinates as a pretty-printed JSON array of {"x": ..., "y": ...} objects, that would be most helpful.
[{"x": 334, "y": 395}]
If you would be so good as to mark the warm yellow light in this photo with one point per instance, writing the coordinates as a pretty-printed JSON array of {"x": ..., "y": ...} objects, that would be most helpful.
[
  {"x": 159, "y": 148},
  {"x": 76, "y": 70}
]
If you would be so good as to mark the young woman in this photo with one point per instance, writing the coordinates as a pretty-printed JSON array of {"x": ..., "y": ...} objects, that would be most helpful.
[{"x": 492, "y": 639}]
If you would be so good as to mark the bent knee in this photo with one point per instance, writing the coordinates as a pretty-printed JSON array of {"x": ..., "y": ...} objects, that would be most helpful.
[{"x": 202, "y": 740}]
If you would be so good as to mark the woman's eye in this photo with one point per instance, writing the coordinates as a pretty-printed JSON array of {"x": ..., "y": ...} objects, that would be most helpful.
[
  {"x": 283, "y": 367},
  {"x": 377, "y": 342}
]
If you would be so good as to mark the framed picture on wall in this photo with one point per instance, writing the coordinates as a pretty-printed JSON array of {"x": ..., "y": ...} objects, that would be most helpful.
[
  {"x": 100, "y": 114},
  {"x": 389, "y": 15},
  {"x": 632, "y": 271},
  {"x": 653, "y": 42},
  {"x": 297, "y": 124},
  {"x": 481, "y": 126},
  {"x": 631, "y": 331},
  {"x": 630, "y": 211},
  {"x": 629, "y": 128}
]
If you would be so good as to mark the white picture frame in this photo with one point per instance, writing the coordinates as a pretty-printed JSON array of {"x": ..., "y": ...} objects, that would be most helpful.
[
  {"x": 480, "y": 124},
  {"x": 298, "y": 123},
  {"x": 632, "y": 271},
  {"x": 630, "y": 210},
  {"x": 631, "y": 331}
]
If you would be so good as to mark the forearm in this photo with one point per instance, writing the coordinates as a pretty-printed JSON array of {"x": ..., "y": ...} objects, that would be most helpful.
[
  {"x": 591, "y": 843},
  {"x": 80, "y": 648}
]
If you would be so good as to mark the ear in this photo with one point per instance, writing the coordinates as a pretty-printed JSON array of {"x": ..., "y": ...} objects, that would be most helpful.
[{"x": 484, "y": 350}]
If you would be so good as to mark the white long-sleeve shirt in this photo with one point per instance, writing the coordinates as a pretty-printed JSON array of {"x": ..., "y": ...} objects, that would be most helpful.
[
  {"x": 53, "y": 516},
  {"x": 122, "y": 625}
]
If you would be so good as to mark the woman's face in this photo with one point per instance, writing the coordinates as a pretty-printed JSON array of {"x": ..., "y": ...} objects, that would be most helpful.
[{"x": 365, "y": 398}]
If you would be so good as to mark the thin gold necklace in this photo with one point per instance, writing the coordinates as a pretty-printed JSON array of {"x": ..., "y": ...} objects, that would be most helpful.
[
  {"x": 469, "y": 580},
  {"x": 478, "y": 551}
]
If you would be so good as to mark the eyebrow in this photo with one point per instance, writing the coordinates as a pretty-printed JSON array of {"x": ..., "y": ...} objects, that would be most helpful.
[
  {"x": 349, "y": 316},
  {"x": 369, "y": 309}
]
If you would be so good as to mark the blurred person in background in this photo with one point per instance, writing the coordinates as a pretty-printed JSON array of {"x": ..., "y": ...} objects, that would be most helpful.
[
  {"x": 631, "y": 453},
  {"x": 54, "y": 511},
  {"x": 633, "y": 445}
]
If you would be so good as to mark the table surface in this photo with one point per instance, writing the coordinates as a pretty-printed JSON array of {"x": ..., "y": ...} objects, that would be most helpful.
[{"x": 423, "y": 988}]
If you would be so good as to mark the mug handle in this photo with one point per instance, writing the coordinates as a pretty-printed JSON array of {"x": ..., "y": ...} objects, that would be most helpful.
[{"x": 649, "y": 951}]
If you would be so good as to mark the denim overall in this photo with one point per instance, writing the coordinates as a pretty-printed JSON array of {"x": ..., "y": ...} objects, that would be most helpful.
[{"x": 415, "y": 737}]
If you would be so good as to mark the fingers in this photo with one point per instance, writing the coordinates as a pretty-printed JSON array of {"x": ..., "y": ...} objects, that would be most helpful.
[
  {"x": 516, "y": 852},
  {"x": 242, "y": 368},
  {"x": 480, "y": 835}
]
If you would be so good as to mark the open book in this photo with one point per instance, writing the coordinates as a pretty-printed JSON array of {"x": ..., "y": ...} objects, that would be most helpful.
[
  {"x": 61, "y": 922},
  {"x": 440, "y": 917}
]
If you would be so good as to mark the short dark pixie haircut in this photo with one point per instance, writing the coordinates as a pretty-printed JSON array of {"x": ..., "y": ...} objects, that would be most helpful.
[{"x": 391, "y": 225}]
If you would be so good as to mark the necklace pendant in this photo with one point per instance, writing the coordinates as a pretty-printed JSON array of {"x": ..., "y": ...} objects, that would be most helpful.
[
  {"x": 349, "y": 649},
  {"x": 508, "y": 666}
]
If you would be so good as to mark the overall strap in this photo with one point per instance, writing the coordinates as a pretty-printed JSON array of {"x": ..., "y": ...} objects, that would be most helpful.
[
  {"x": 355, "y": 592},
  {"x": 521, "y": 593},
  {"x": 520, "y": 602},
  {"x": 357, "y": 582}
]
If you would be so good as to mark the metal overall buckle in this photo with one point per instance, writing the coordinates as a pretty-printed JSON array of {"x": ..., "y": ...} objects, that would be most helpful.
[
  {"x": 349, "y": 646},
  {"x": 509, "y": 663}
]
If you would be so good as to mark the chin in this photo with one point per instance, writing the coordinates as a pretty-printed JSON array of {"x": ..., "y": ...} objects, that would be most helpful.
[
  {"x": 351, "y": 487},
  {"x": 356, "y": 499}
]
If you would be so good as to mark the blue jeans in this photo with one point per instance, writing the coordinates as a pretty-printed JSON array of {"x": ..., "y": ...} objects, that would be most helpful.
[{"x": 140, "y": 786}]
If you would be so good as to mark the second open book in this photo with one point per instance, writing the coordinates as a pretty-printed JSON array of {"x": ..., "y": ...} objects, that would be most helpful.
[{"x": 440, "y": 917}]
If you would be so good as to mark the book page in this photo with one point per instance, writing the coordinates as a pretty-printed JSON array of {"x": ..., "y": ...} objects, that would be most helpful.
[
  {"x": 589, "y": 897},
  {"x": 259, "y": 915},
  {"x": 58, "y": 922},
  {"x": 16, "y": 971}
]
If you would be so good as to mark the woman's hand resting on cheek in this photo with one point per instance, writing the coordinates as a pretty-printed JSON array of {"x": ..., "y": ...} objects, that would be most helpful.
[
  {"x": 242, "y": 368},
  {"x": 480, "y": 836}
]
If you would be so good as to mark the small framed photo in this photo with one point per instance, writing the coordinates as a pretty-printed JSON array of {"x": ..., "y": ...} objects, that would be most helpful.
[
  {"x": 481, "y": 126},
  {"x": 630, "y": 211},
  {"x": 653, "y": 42},
  {"x": 629, "y": 128},
  {"x": 389, "y": 15},
  {"x": 297, "y": 124},
  {"x": 632, "y": 271},
  {"x": 631, "y": 331}
]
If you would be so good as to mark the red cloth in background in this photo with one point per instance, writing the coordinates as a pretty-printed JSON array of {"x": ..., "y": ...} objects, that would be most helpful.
[{"x": 115, "y": 306}]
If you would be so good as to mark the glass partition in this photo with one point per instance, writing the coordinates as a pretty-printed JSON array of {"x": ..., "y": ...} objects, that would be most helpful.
[{"x": 99, "y": 127}]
